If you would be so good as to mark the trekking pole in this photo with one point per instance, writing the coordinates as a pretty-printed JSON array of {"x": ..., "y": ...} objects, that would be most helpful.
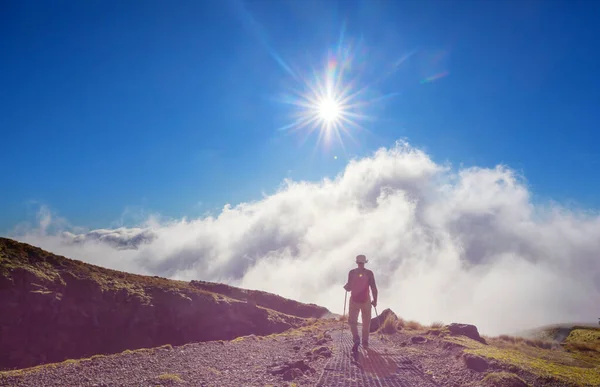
[
  {"x": 344, "y": 315},
  {"x": 378, "y": 320},
  {"x": 345, "y": 298}
]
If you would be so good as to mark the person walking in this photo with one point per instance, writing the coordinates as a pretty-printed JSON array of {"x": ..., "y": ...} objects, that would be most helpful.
[{"x": 360, "y": 280}]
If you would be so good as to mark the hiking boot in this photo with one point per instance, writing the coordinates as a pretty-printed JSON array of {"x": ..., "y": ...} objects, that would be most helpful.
[
  {"x": 366, "y": 346},
  {"x": 355, "y": 346}
]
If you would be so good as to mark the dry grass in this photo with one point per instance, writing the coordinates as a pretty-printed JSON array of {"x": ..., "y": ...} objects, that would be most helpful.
[
  {"x": 315, "y": 329},
  {"x": 413, "y": 325},
  {"x": 503, "y": 379},
  {"x": 583, "y": 346},
  {"x": 436, "y": 325},
  {"x": 170, "y": 377},
  {"x": 310, "y": 321},
  {"x": 400, "y": 323},
  {"x": 248, "y": 337},
  {"x": 584, "y": 335},
  {"x": 580, "y": 339},
  {"x": 515, "y": 340},
  {"x": 510, "y": 339},
  {"x": 389, "y": 325}
]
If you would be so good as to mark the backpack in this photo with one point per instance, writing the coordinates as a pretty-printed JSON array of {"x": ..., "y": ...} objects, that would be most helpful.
[{"x": 360, "y": 286}]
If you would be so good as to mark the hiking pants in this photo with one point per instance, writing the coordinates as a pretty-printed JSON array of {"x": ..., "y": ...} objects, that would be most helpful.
[{"x": 365, "y": 310}]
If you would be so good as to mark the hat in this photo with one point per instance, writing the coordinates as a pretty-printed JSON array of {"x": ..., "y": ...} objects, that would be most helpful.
[{"x": 361, "y": 259}]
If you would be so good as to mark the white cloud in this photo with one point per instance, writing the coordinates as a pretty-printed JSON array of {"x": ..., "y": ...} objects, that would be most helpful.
[
  {"x": 121, "y": 238},
  {"x": 465, "y": 246}
]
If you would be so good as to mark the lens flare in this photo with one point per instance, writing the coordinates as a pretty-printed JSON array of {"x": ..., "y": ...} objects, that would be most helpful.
[
  {"x": 337, "y": 98},
  {"x": 328, "y": 101},
  {"x": 435, "y": 77}
]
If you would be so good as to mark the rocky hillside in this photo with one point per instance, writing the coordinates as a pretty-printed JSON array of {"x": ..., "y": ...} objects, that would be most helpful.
[
  {"x": 267, "y": 300},
  {"x": 53, "y": 308}
]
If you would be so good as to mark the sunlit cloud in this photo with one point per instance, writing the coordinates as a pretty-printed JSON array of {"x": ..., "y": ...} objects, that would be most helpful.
[{"x": 457, "y": 245}]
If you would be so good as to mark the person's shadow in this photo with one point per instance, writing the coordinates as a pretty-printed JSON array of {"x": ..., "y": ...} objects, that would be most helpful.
[{"x": 375, "y": 363}]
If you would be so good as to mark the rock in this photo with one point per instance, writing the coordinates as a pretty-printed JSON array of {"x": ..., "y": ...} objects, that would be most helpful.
[
  {"x": 292, "y": 374},
  {"x": 288, "y": 368},
  {"x": 476, "y": 363},
  {"x": 467, "y": 330},
  {"x": 376, "y": 322},
  {"x": 418, "y": 340},
  {"x": 278, "y": 370},
  {"x": 322, "y": 351},
  {"x": 322, "y": 341}
]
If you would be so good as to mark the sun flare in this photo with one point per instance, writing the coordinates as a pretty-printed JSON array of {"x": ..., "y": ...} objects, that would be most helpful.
[
  {"x": 329, "y": 102},
  {"x": 329, "y": 110}
]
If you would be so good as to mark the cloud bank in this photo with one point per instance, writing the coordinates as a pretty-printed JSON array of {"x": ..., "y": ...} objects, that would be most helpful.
[{"x": 465, "y": 245}]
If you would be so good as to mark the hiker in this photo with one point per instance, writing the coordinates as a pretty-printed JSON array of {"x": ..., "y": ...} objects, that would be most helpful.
[{"x": 359, "y": 282}]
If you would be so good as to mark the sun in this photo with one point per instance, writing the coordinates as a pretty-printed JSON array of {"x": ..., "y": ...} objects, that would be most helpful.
[
  {"x": 332, "y": 101},
  {"x": 336, "y": 97},
  {"x": 329, "y": 110},
  {"x": 327, "y": 103}
]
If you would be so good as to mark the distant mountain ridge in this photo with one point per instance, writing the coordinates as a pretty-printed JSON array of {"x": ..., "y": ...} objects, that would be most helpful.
[
  {"x": 555, "y": 332},
  {"x": 54, "y": 308}
]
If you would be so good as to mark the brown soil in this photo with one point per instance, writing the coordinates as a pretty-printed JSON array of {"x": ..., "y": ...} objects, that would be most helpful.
[{"x": 246, "y": 361}]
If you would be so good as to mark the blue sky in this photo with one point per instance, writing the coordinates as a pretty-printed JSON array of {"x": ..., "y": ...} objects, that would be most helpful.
[{"x": 109, "y": 106}]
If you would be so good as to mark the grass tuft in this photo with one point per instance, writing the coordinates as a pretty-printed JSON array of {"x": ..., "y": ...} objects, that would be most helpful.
[
  {"x": 401, "y": 323},
  {"x": 413, "y": 325},
  {"x": 389, "y": 325},
  {"x": 515, "y": 340},
  {"x": 170, "y": 377}
]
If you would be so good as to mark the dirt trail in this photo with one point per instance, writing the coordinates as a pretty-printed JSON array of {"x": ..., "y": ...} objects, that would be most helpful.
[{"x": 378, "y": 366}]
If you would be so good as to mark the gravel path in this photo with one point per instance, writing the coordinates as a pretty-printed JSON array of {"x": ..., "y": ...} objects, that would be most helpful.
[
  {"x": 319, "y": 355},
  {"x": 379, "y": 366},
  {"x": 251, "y": 361}
]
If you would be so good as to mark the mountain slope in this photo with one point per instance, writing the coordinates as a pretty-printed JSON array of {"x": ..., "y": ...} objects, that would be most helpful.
[{"x": 53, "y": 308}]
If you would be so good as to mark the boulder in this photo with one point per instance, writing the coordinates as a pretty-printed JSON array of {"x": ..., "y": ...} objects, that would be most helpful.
[
  {"x": 467, "y": 330},
  {"x": 376, "y": 322},
  {"x": 476, "y": 363}
]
